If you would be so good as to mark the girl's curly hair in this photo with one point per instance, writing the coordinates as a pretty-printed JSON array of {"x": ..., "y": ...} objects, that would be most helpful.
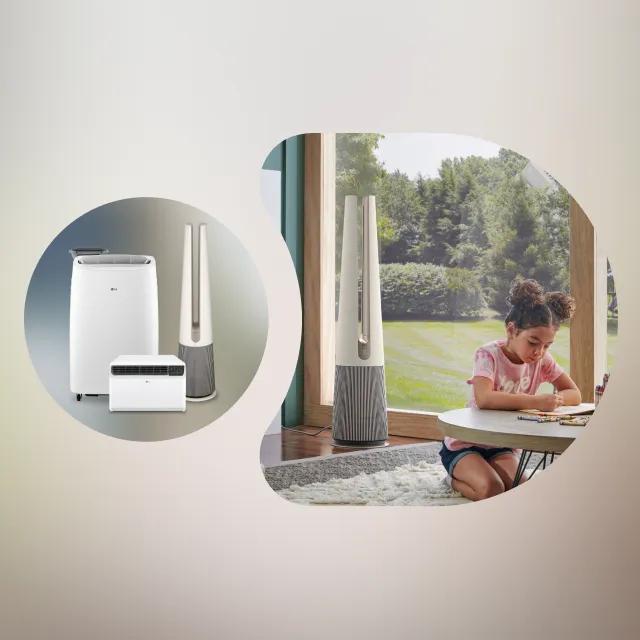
[{"x": 531, "y": 306}]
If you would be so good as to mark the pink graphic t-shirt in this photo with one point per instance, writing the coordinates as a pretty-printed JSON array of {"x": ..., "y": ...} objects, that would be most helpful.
[{"x": 491, "y": 362}]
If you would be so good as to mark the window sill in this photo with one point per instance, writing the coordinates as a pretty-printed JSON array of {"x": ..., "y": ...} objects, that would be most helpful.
[{"x": 411, "y": 424}]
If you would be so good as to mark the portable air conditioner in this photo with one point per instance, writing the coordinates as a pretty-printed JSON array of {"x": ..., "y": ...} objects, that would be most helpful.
[
  {"x": 360, "y": 402},
  {"x": 113, "y": 310},
  {"x": 147, "y": 383}
]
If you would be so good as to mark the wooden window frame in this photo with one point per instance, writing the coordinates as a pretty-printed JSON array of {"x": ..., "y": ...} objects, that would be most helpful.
[
  {"x": 319, "y": 294},
  {"x": 588, "y": 283}
]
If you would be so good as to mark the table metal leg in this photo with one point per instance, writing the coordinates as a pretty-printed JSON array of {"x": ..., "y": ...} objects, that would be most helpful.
[
  {"x": 525, "y": 456},
  {"x": 541, "y": 462},
  {"x": 522, "y": 465}
]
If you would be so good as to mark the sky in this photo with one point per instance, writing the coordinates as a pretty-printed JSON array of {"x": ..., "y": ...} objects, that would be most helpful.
[{"x": 414, "y": 153}]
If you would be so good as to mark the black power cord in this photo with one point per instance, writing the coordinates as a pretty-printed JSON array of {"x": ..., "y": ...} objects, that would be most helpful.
[{"x": 306, "y": 433}]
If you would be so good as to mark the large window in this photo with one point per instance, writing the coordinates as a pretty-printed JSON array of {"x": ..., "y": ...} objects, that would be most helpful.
[{"x": 458, "y": 219}]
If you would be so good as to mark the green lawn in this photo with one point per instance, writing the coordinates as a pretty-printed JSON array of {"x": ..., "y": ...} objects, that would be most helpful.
[{"x": 428, "y": 362}]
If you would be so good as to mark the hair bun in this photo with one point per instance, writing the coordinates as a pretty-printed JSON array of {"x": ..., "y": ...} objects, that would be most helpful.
[
  {"x": 527, "y": 293},
  {"x": 562, "y": 305}
]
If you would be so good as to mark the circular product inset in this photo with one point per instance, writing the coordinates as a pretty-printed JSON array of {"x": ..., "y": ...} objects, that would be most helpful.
[{"x": 146, "y": 319}]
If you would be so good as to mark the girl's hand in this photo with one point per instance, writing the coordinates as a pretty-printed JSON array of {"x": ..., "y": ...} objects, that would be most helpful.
[{"x": 549, "y": 401}]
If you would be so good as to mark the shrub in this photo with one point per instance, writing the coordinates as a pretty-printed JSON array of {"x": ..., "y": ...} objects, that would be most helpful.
[
  {"x": 427, "y": 291},
  {"x": 464, "y": 294}
]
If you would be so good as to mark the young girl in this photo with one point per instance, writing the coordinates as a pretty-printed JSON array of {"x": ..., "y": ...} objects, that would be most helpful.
[{"x": 506, "y": 375}]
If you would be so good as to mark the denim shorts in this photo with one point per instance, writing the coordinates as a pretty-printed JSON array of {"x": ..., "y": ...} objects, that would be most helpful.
[{"x": 451, "y": 458}]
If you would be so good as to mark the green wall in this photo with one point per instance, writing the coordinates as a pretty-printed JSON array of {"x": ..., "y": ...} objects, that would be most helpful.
[{"x": 288, "y": 158}]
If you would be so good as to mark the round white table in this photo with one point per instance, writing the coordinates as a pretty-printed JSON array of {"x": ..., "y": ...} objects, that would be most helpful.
[{"x": 504, "y": 429}]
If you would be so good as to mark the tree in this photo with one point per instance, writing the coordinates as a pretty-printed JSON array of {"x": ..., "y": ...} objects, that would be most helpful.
[
  {"x": 440, "y": 228},
  {"x": 477, "y": 215},
  {"x": 357, "y": 173},
  {"x": 453, "y": 227},
  {"x": 553, "y": 210},
  {"x": 399, "y": 208},
  {"x": 357, "y": 167},
  {"x": 519, "y": 243}
]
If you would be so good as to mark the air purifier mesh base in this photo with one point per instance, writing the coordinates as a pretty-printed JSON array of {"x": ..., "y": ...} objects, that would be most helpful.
[
  {"x": 201, "y": 382},
  {"x": 359, "y": 405}
]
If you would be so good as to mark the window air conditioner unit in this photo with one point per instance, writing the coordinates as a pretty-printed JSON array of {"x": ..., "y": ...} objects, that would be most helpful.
[{"x": 147, "y": 383}]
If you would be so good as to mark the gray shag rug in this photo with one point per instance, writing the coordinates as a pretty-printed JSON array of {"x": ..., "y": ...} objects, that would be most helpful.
[
  {"x": 422, "y": 484},
  {"x": 403, "y": 475},
  {"x": 348, "y": 465}
]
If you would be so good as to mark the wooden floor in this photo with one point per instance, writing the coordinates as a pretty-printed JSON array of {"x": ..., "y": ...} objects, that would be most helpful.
[{"x": 292, "y": 445}]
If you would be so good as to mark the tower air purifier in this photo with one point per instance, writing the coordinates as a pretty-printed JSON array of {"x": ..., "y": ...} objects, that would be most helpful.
[
  {"x": 113, "y": 310},
  {"x": 147, "y": 383},
  {"x": 195, "y": 347},
  {"x": 360, "y": 405}
]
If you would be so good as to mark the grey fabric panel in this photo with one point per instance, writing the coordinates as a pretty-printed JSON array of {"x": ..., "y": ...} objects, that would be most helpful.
[
  {"x": 359, "y": 404},
  {"x": 201, "y": 380}
]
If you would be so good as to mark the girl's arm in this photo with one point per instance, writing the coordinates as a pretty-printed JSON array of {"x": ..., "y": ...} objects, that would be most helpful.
[
  {"x": 487, "y": 398},
  {"x": 567, "y": 389}
]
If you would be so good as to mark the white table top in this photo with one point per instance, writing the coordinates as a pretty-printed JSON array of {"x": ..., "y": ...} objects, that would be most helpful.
[{"x": 503, "y": 429}]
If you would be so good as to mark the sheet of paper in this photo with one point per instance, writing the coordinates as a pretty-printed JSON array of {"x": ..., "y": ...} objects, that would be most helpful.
[{"x": 569, "y": 410}]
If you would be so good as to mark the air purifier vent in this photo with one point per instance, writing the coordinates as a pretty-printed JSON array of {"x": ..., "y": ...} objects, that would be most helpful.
[
  {"x": 119, "y": 259},
  {"x": 147, "y": 370},
  {"x": 360, "y": 405}
]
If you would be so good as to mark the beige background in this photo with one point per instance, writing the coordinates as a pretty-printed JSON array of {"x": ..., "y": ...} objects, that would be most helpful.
[{"x": 102, "y": 538}]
